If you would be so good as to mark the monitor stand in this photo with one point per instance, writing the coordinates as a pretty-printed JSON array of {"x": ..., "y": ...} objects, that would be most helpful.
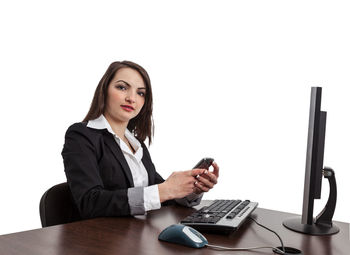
[{"x": 323, "y": 223}]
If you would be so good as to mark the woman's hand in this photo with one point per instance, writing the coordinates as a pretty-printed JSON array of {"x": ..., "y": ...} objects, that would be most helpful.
[
  {"x": 207, "y": 180},
  {"x": 179, "y": 184}
]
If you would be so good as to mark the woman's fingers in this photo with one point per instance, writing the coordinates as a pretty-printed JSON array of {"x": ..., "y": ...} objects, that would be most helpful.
[
  {"x": 206, "y": 182},
  {"x": 197, "y": 171},
  {"x": 216, "y": 169},
  {"x": 209, "y": 176},
  {"x": 201, "y": 187},
  {"x": 196, "y": 180}
]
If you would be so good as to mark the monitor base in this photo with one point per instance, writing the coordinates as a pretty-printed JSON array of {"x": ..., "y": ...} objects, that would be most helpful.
[{"x": 314, "y": 229}]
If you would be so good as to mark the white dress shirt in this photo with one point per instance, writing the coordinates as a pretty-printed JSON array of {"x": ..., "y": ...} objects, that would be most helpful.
[{"x": 138, "y": 170}]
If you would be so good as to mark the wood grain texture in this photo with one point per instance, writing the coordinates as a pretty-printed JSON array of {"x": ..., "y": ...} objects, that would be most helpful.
[{"x": 139, "y": 235}]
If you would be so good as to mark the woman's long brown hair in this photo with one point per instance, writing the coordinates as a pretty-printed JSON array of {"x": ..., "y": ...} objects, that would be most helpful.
[{"x": 142, "y": 125}]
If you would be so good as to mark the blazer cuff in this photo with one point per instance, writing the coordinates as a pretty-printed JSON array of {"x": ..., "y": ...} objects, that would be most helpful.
[{"x": 135, "y": 200}]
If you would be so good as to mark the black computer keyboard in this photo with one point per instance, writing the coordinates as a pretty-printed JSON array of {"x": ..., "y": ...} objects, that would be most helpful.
[{"x": 222, "y": 216}]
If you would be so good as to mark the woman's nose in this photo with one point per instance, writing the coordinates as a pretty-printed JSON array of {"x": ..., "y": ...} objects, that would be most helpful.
[{"x": 130, "y": 97}]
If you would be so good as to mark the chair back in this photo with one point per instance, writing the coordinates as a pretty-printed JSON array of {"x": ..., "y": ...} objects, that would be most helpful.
[{"x": 57, "y": 206}]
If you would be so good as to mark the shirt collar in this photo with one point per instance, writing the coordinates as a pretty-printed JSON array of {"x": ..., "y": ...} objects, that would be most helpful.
[
  {"x": 133, "y": 141},
  {"x": 102, "y": 123}
]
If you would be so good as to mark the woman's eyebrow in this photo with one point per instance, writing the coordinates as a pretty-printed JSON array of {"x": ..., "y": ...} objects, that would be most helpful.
[{"x": 123, "y": 82}]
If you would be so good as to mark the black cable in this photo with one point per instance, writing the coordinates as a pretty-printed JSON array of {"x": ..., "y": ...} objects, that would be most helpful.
[
  {"x": 223, "y": 248},
  {"x": 274, "y": 249},
  {"x": 282, "y": 245}
]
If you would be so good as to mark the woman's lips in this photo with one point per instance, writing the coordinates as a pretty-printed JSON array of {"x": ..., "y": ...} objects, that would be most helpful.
[{"x": 127, "y": 108}]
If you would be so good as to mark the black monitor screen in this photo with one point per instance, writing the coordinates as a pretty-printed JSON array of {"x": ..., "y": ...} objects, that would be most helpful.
[
  {"x": 314, "y": 155},
  {"x": 314, "y": 173}
]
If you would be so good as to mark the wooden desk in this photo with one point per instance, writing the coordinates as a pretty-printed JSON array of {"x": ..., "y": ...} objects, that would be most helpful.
[{"x": 139, "y": 235}]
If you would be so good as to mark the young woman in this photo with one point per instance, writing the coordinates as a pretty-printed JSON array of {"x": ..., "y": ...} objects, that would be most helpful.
[{"x": 108, "y": 167}]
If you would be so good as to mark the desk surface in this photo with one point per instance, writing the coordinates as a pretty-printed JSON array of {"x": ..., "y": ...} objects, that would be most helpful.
[{"x": 139, "y": 235}]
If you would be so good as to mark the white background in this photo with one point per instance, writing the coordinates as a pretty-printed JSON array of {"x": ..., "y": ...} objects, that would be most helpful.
[{"x": 231, "y": 80}]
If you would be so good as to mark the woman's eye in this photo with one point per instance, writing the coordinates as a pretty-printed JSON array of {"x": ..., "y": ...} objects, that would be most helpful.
[
  {"x": 141, "y": 94},
  {"x": 121, "y": 87}
]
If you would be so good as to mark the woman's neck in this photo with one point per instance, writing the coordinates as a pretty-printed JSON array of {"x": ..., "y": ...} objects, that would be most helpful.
[{"x": 117, "y": 126}]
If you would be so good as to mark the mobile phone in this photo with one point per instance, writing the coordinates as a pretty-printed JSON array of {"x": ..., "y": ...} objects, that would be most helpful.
[{"x": 204, "y": 163}]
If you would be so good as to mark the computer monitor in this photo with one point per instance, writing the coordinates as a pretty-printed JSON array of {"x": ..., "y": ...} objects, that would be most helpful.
[{"x": 314, "y": 171}]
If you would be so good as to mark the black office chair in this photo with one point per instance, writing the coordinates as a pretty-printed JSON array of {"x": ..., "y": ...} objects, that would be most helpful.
[{"x": 57, "y": 206}]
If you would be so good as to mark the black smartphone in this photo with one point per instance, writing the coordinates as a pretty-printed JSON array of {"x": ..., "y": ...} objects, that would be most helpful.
[{"x": 204, "y": 163}]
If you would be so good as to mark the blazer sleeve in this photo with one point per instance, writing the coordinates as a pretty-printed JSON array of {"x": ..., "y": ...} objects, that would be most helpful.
[{"x": 80, "y": 157}]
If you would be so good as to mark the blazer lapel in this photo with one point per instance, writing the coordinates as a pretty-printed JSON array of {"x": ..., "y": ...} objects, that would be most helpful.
[
  {"x": 117, "y": 152},
  {"x": 148, "y": 165}
]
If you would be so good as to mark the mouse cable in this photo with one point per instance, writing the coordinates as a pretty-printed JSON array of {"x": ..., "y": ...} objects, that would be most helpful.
[
  {"x": 259, "y": 224},
  {"x": 222, "y": 248}
]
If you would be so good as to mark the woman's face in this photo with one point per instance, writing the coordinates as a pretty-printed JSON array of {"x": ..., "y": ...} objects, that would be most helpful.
[{"x": 126, "y": 95}]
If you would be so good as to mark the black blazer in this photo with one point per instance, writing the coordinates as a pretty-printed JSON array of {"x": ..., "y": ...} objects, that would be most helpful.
[{"x": 97, "y": 172}]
